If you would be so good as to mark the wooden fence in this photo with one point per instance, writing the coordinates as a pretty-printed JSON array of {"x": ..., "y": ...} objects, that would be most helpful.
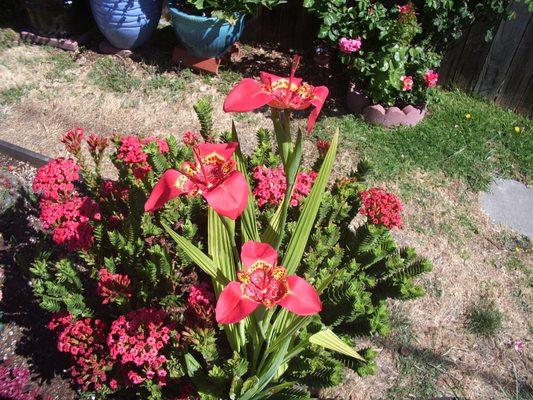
[{"x": 501, "y": 70}]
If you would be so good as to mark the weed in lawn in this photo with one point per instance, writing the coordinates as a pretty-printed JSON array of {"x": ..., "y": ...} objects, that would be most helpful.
[
  {"x": 484, "y": 318},
  {"x": 13, "y": 95},
  {"x": 170, "y": 87},
  {"x": 473, "y": 150},
  {"x": 226, "y": 80},
  {"x": 62, "y": 63},
  {"x": 111, "y": 74}
]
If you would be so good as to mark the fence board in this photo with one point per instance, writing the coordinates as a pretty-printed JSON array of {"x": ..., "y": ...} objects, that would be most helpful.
[{"x": 502, "y": 51}]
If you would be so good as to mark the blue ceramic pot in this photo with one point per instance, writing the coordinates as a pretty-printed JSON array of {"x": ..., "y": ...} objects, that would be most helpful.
[
  {"x": 127, "y": 24},
  {"x": 205, "y": 37}
]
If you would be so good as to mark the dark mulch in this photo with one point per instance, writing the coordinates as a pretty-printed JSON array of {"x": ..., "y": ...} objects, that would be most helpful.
[{"x": 25, "y": 340}]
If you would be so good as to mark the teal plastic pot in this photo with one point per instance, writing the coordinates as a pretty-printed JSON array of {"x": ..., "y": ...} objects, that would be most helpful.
[{"x": 205, "y": 37}]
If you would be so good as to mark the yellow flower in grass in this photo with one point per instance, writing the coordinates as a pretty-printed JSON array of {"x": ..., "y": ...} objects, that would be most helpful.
[
  {"x": 517, "y": 129},
  {"x": 468, "y": 116}
]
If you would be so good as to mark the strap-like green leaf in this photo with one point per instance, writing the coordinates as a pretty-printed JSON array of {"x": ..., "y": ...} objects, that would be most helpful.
[
  {"x": 221, "y": 250},
  {"x": 248, "y": 217},
  {"x": 298, "y": 242},
  {"x": 197, "y": 256},
  {"x": 329, "y": 340}
]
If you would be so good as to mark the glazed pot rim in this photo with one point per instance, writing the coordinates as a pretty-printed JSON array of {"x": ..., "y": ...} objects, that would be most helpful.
[{"x": 199, "y": 18}]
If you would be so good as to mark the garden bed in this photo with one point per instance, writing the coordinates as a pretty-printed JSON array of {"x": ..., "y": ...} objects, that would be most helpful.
[{"x": 432, "y": 351}]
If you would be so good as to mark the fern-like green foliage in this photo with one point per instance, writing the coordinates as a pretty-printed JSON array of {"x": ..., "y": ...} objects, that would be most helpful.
[
  {"x": 204, "y": 112},
  {"x": 58, "y": 286}
]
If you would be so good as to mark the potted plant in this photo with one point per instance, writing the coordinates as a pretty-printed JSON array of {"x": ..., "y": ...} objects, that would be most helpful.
[
  {"x": 127, "y": 24},
  {"x": 58, "y": 18},
  {"x": 208, "y": 28},
  {"x": 391, "y": 71}
]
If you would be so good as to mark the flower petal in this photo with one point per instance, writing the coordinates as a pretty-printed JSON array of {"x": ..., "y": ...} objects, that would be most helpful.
[
  {"x": 302, "y": 298},
  {"x": 321, "y": 93},
  {"x": 268, "y": 79},
  {"x": 230, "y": 197},
  {"x": 248, "y": 95},
  {"x": 225, "y": 150},
  {"x": 232, "y": 306},
  {"x": 254, "y": 251},
  {"x": 171, "y": 184}
]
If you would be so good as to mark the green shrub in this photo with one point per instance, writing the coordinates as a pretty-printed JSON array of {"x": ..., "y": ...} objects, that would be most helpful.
[{"x": 484, "y": 318}]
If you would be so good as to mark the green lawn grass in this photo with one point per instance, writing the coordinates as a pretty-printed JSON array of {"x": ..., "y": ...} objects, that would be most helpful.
[{"x": 471, "y": 149}]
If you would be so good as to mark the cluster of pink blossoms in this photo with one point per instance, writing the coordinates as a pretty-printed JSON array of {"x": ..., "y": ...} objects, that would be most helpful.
[
  {"x": 382, "y": 207},
  {"x": 113, "y": 287},
  {"x": 84, "y": 339},
  {"x": 191, "y": 138},
  {"x": 15, "y": 384},
  {"x": 130, "y": 151},
  {"x": 135, "y": 341},
  {"x": 349, "y": 45},
  {"x": 408, "y": 8},
  {"x": 62, "y": 209},
  {"x": 271, "y": 186},
  {"x": 201, "y": 304},
  {"x": 322, "y": 145},
  {"x": 55, "y": 180}
]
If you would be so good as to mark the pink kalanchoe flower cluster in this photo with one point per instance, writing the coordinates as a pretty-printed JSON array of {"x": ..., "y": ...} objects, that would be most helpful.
[
  {"x": 109, "y": 188},
  {"x": 84, "y": 339},
  {"x": 382, "y": 208},
  {"x": 55, "y": 180},
  {"x": 201, "y": 304},
  {"x": 322, "y": 145},
  {"x": 271, "y": 186},
  {"x": 191, "y": 138},
  {"x": 130, "y": 151},
  {"x": 407, "y": 81},
  {"x": 136, "y": 341},
  {"x": 97, "y": 143},
  {"x": 73, "y": 140},
  {"x": 15, "y": 384},
  {"x": 431, "y": 78},
  {"x": 113, "y": 287},
  {"x": 70, "y": 221},
  {"x": 349, "y": 45}
]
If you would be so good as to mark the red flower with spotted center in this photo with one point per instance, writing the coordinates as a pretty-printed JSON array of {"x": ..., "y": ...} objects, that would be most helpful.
[
  {"x": 212, "y": 175},
  {"x": 281, "y": 93},
  {"x": 263, "y": 282}
]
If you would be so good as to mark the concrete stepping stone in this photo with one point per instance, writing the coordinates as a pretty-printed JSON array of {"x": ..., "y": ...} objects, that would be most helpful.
[{"x": 509, "y": 203}]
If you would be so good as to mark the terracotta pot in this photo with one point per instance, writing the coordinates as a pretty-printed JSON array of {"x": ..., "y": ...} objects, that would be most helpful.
[{"x": 377, "y": 114}]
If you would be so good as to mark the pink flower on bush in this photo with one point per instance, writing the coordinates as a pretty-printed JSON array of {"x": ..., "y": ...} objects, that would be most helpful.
[
  {"x": 406, "y": 9},
  {"x": 73, "y": 140},
  {"x": 111, "y": 188},
  {"x": 407, "y": 82},
  {"x": 85, "y": 340},
  {"x": 382, "y": 208},
  {"x": 349, "y": 45},
  {"x": 130, "y": 151},
  {"x": 161, "y": 143},
  {"x": 55, "y": 180},
  {"x": 191, "y": 138},
  {"x": 113, "y": 287},
  {"x": 136, "y": 341},
  {"x": 271, "y": 186},
  {"x": 431, "y": 78}
]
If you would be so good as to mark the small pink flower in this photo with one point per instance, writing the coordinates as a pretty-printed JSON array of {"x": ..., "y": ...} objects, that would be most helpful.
[
  {"x": 406, "y": 9},
  {"x": 349, "y": 45},
  {"x": 407, "y": 82},
  {"x": 518, "y": 345},
  {"x": 431, "y": 78}
]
